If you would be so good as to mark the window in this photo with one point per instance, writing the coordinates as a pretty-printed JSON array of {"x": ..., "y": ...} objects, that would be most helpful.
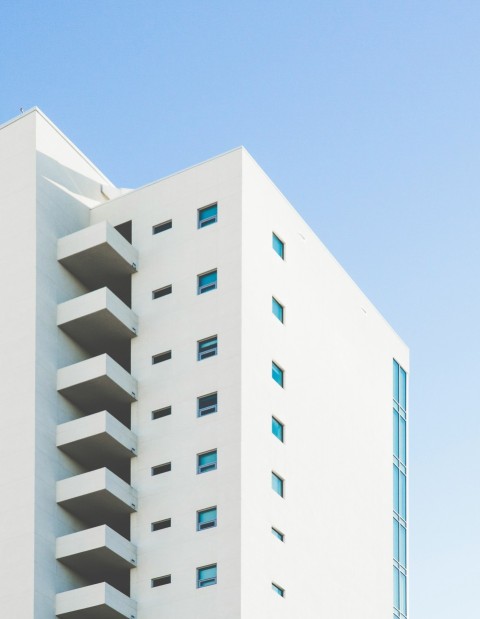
[
  {"x": 161, "y": 468},
  {"x": 161, "y": 580},
  {"x": 278, "y": 246},
  {"x": 162, "y": 524},
  {"x": 207, "y": 461},
  {"x": 206, "y": 518},
  {"x": 207, "y": 215},
  {"x": 277, "y": 429},
  {"x": 206, "y": 576},
  {"x": 162, "y": 412},
  {"x": 162, "y": 292},
  {"x": 278, "y": 590},
  {"x": 277, "y": 309},
  {"x": 278, "y": 484},
  {"x": 206, "y": 404},
  {"x": 163, "y": 356},
  {"x": 277, "y": 373},
  {"x": 278, "y": 534},
  {"x": 207, "y": 282},
  {"x": 207, "y": 348},
  {"x": 166, "y": 225}
]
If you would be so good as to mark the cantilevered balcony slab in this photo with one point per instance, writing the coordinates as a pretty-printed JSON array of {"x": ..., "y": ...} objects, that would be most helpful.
[
  {"x": 97, "y": 384},
  {"x": 98, "y": 321},
  {"x": 96, "y": 497},
  {"x": 97, "y": 255},
  {"x": 100, "y": 601},
  {"x": 96, "y": 440},
  {"x": 97, "y": 551}
]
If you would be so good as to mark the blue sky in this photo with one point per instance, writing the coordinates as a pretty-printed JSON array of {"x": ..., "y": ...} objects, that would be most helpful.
[{"x": 366, "y": 115}]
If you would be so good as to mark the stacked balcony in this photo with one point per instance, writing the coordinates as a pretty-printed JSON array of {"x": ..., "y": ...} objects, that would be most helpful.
[{"x": 100, "y": 441}]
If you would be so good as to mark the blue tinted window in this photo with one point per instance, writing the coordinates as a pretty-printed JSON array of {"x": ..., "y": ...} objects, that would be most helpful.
[
  {"x": 277, "y": 374},
  {"x": 395, "y": 540},
  {"x": 278, "y": 246},
  {"x": 396, "y": 588},
  {"x": 207, "y": 461},
  {"x": 207, "y": 216},
  {"x": 206, "y": 519},
  {"x": 277, "y": 429},
  {"x": 277, "y": 484},
  {"x": 277, "y": 309},
  {"x": 207, "y": 282},
  {"x": 403, "y": 496},
  {"x": 395, "y": 488},
  {"x": 278, "y": 590},
  {"x": 395, "y": 380},
  {"x": 402, "y": 544},
  {"x": 206, "y": 576},
  {"x": 395, "y": 433},
  {"x": 403, "y": 441},
  {"x": 207, "y": 404},
  {"x": 403, "y": 593},
  {"x": 207, "y": 348},
  {"x": 403, "y": 389},
  {"x": 277, "y": 534}
]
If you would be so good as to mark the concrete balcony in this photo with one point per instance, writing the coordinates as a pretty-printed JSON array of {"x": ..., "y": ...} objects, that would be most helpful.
[
  {"x": 98, "y": 321},
  {"x": 97, "y": 497},
  {"x": 96, "y": 440},
  {"x": 100, "y": 601},
  {"x": 97, "y": 255},
  {"x": 96, "y": 552},
  {"x": 97, "y": 384}
]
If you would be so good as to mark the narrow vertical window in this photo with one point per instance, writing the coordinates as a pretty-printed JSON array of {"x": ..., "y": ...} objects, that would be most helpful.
[
  {"x": 206, "y": 576},
  {"x": 278, "y": 484},
  {"x": 277, "y": 374},
  {"x": 396, "y": 550},
  {"x": 278, "y": 590},
  {"x": 277, "y": 309},
  {"x": 207, "y": 215},
  {"x": 278, "y": 534},
  {"x": 278, "y": 246},
  {"x": 277, "y": 429}
]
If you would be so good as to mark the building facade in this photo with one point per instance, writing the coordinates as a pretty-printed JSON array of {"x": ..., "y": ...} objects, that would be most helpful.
[{"x": 197, "y": 401}]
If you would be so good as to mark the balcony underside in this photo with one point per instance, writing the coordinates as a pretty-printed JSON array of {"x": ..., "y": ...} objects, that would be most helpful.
[{"x": 100, "y": 601}]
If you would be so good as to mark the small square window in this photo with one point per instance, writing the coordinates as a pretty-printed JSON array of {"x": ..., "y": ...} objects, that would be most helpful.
[
  {"x": 278, "y": 534},
  {"x": 207, "y": 461},
  {"x": 163, "y": 356},
  {"x": 278, "y": 484},
  {"x": 206, "y": 519},
  {"x": 166, "y": 225},
  {"x": 162, "y": 292},
  {"x": 278, "y": 246},
  {"x": 162, "y": 524},
  {"x": 207, "y": 404},
  {"x": 161, "y": 468},
  {"x": 277, "y": 429},
  {"x": 161, "y": 580},
  {"x": 162, "y": 412},
  {"x": 207, "y": 348},
  {"x": 207, "y": 282},
  {"x": 278, "y": 590},
  {"x": 206, "y": 576},
  {"x": 277, "y": 309},
  {"x": 277, "y": 374},
  {"x": 207, "y": 215}
]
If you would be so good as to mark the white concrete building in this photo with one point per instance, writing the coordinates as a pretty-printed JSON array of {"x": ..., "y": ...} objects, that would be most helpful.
[{"x": 197, "y": 401}]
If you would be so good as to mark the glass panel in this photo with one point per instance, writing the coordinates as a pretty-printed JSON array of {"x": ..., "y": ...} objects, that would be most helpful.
[
  {"x": 277, "y": 429},
  {"x": 403, "y": 593},
  {"x": 403, "y": 441},
  {"x": 395, "y": 488},
  {"x": 278, "y": 245},
  {"x": 207, "y": 515},
  {"x": 403, "y": 389},
  {"x": 207, "y": 576},
  {"x": 207, "y": 278},
  {"x": 277, "y": 374},
  {"x": 277, "y": 309},
  {"x": 207, "y": 213},
  {"x": 396, "y": 588},
  {"x": 278, "y": 590},
  {"x": 403, "y": 546},
  {"x": 395, "y": 433},
  {"x": 395, "y": 540},
  {"x": 277, "y": 534},
  {"x": 207, "y": 458},
  {"x": 395, "y": 380},
  {"x": 207, "y": 343},
  {"x": 403, "y": 496},
  {"x": 277, "y": 484}
]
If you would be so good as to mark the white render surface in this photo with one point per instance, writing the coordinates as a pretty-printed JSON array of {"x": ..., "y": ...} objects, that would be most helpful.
[{"x": 335, "y": 348}]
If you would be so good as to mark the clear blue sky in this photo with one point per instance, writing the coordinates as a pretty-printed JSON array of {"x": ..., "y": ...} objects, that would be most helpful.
[{"x": 367, "y": 116}]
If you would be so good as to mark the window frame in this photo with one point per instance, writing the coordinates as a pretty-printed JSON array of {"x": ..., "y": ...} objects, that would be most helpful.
[
  {"x": 280, "y": 383},
  {"x": 160, "y": 357},
  {"x": 213, "y": 219},
  {"x": 204, "y": 411},
  {"x": 162, "y": 226},
  {"x": 209, "y": 466},
  {"x": 282, "y": 426},
  {"x": 278, "y": 534},
  {"x": 204, "y": 288},
  {"x": 205, "y": 581},
  {"x": 276, "y": 476},
  {"x": 155, "y": 528},
  {"x": 280, "y": 591},
  {"x": 208, "y": 524},
  {"x": 158, "y": 290},
  {"x": 160, "y": 469},
  {"x": 275, "y": 237},
  {"x": 160, "y": 413},
  {"x": 276, "y": 302},
  {"x": 201, "y": 356}
]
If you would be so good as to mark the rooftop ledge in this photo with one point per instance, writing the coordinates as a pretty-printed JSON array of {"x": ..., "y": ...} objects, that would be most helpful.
[{"x": 100, "y": 601}]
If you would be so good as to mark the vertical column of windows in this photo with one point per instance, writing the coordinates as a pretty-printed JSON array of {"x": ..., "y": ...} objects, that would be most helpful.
[{"x": 399, "y": 491}]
